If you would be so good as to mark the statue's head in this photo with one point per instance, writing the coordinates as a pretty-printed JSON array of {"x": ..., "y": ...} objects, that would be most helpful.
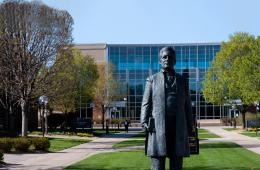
[{"x": 167, "y": 58}]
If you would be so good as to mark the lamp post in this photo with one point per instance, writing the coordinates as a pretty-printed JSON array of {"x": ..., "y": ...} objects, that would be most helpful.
[
  {"x": 125, "y": 99},
  {"x": 257, "y": 108},
  {"x": 43, "y": 101}
]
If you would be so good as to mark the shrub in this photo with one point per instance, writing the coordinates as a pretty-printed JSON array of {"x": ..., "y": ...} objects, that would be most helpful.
[
  {"x": 36, "y": 133},
  {"x": 41, "y": 143},
  {"x": 6, "y": 144},
  {"x": 84, "y": 134},
  {"x": 22, "y": 144}
]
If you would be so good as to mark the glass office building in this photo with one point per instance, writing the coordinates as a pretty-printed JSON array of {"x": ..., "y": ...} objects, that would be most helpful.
[{"x": 134, "y": 63}]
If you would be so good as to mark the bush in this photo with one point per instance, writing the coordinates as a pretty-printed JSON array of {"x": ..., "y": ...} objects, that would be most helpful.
[
  {"x": 84, "y": 134},
  {"x": 22, "y": 144},
  {"x": 41, "y": 143},
  {"x": 6, "y": 144}
]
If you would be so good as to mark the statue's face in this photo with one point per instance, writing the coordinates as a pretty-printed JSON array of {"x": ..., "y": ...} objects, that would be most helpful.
[{"x": 167, "y": 60}]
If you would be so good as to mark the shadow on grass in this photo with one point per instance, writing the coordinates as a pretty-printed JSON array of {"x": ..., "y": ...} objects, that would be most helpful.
[{"x": 219, "y": 145}]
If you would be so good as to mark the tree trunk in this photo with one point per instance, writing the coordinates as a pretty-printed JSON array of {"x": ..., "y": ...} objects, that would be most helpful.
[
  {"x": 243, "y": 119},
  {"x": 66, "y": 122},
  {"x": 11, "y": 121},
  {"x": 45, "y": 120},
  {"x": 24, "y": 118},
  {"x": 243, "y": 112},
  {"x": 103, "y": 118}
]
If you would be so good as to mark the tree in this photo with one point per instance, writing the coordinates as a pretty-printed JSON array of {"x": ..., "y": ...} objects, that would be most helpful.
[
  {"x": 87, "y": 75},
  {"x": 59, "y": 82},
  {"x": 235, "y": 73},
  {"x": 106, "y": 89},
  {"x": 72, "y": 76},
  {"x": 31, "y": 35}
]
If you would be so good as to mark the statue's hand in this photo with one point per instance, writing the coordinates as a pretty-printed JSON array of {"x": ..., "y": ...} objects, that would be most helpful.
[{"x": 151, "y": 129}]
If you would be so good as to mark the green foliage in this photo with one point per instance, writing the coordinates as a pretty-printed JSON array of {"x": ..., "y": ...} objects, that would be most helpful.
[
  {"x": 235, "y": 71},
  {"x": 73, "y": 82},
  {"x": 6, "y": 144},
  {"x": 87, "y": 75},
  {"x": 41, "y": 143},
  {"x": 45, "y": 144},
  {"x": 84, "y": 134},
  {"x": 22, "y": 144}
]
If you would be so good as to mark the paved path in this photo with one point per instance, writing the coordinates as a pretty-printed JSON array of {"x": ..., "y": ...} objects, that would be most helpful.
[
  {"x": 250, "y": 143},
  {"x": 59, "y": 160}
]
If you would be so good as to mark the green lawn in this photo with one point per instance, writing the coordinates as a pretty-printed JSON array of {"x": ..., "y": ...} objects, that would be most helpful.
[
  {"x": 58, "y": 144},
  {"x": 138, "y": 140},
  {"x": 230, "y": 129},
  {"x": 251, "y": 134},
  {"x": 214, "y": 156},
  {"x": 129, "y": 143},
  {"x": 204, "y": 134},
  {"x": 100, "y": 132}
]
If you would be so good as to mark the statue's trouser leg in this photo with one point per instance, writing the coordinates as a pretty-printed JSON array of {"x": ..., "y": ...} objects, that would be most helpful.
[
  {"x": 157, "y": 163},
  {"x": 176, "y": 163}
]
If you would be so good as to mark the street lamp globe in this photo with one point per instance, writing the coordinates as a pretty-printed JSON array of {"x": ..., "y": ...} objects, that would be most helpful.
[{"x": 43, "y": 100}]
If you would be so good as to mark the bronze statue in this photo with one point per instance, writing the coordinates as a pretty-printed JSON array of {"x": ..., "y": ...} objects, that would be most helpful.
[{"x": 166, "y": 114}]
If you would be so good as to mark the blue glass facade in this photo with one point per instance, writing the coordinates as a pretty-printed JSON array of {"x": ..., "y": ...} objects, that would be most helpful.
[{"x": 134, "y": 63}]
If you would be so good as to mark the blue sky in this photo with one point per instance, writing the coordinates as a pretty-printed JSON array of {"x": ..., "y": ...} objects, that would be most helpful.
[{"x": 160, "y": 21}]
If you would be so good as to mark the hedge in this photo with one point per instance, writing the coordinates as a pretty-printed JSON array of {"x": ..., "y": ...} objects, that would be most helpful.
[
  {"x": 6, "y": 144},
  {"x": 41, "y": 143},
  {"x": 23, "y": 144}
]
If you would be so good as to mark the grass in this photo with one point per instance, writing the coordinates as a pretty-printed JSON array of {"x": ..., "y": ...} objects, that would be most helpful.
[
  {"x": 138, "y": 140},
  {"x": 214, "y": 156},
  {"x": 128, "y": 143},
  {"x": 204, "y": 134},
  {"x": 230, "y": 129},
  {"x": 251, "y": 134},
  {"x": 101, "y": 132},
  {"x": 58, "y": 144}
]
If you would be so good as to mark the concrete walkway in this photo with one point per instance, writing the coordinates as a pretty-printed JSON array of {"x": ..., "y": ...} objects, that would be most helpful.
[
  {"x": 64, "y": 158},
  {"x": 250, "y": 143}
]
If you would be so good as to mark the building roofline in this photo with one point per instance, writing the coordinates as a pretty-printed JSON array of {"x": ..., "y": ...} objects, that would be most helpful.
[
  {"x": 164, "y": 44},
  {"x": 91, "y": 46},
  {"x": 148, "y": 44},
  {"x": 81, "y": 44}
]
